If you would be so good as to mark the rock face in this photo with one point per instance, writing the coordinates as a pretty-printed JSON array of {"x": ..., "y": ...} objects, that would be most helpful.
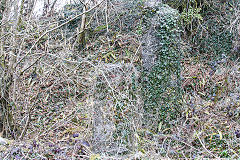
[
  {"x": 153, "y": 3},
  {"x": 103, "y": 127},
  {"x": 114, "y": 105},
  {"x": 161, "y": 65}
]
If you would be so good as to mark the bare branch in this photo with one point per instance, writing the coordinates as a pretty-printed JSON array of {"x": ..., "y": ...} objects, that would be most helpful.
[{"x": 71, "y": 19}]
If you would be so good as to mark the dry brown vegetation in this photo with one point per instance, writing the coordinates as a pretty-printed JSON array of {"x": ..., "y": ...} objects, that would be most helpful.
[{"x": 60, "y": 100}]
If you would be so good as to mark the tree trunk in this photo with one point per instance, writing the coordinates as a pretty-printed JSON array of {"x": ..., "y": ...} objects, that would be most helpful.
[
  {"x": 81, "y": 34},
  {"x": 7, "y": 60}
]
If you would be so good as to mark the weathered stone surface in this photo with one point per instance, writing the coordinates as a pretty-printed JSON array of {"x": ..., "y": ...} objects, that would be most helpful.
[
  {"x": 153, "y": 3},
  {"x": 112, "y": 100}
]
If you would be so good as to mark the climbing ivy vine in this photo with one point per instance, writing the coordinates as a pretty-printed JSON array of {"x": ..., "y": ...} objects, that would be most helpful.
[{"x": 161, "y": 84}]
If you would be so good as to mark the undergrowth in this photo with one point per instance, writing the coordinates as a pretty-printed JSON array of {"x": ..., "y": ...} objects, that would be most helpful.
[{"x": 103, "y": 101}]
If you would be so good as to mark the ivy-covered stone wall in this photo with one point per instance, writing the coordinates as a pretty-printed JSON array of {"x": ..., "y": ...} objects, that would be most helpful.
[{"x": 161, "y": 66}]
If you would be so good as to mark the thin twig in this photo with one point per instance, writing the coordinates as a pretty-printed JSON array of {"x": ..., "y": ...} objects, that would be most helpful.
[
  {"x": 28, "y": 119},
  {"x": 71, "y": 19},
  {"x": 206, "y": 148}
]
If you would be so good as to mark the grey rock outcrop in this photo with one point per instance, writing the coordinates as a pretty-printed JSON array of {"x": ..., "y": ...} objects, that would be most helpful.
[{"x": 111, "y": 122}]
